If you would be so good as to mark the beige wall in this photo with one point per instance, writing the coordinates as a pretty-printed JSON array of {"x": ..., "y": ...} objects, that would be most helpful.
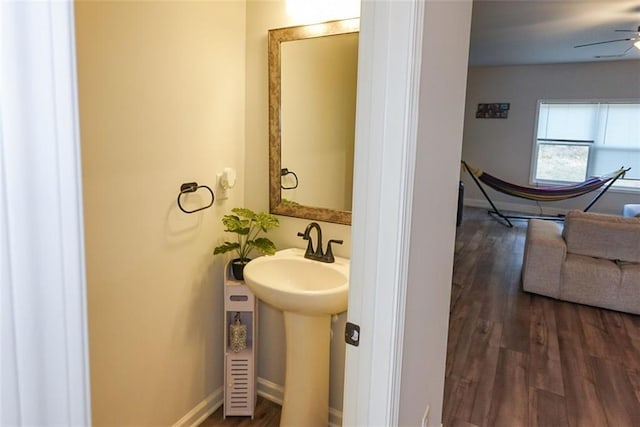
[
  {"x": 504, "y": 147},
  {"x": 262, "y": 16},
  {"x": 162, "y": 102},
  {"x": 172, "y": 92}
]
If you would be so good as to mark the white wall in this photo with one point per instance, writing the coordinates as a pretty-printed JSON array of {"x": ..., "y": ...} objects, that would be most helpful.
[
  {"x": 261, "y": 17},
  {"x": 161, "y": 93},
  {"x": 503, "y": 147},
  {"x": 442, "y": 92}
]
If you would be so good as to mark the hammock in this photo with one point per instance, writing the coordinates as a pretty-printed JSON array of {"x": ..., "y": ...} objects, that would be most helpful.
[{"x": 542, "y": 194}]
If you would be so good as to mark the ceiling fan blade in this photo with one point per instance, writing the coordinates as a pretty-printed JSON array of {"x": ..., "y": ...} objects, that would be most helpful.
[
  {"x": 628, "y": 31},
  {"x": 620, "y": 55},
  {"x": 608, "y": 41}
]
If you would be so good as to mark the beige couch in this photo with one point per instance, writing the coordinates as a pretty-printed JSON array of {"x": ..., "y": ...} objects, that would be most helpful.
[{"x": 594, "y": 260}]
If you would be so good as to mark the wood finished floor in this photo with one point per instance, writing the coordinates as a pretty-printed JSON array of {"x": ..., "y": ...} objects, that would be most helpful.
[
  {"x": 267, "y": 414},
  {"x": 517, "y": 359}
]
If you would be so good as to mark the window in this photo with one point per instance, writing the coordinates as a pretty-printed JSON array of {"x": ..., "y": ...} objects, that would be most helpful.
[{"x": 577, "y": 140}]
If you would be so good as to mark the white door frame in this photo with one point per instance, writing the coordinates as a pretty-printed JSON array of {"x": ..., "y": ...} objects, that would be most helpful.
[
  {"x": 386, "y": 132},
  {"x": 45, "y": 366}
]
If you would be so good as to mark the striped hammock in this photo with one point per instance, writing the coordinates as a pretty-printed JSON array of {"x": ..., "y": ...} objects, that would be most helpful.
[{"x": 547, "y": 193}]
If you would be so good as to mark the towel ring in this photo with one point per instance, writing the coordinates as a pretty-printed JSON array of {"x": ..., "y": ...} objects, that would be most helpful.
[
  {"x": 192, "y": 187},
  {"x": 285, "y": 172}
]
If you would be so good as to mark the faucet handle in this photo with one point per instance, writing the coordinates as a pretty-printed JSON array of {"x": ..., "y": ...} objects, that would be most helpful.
[
  {"x": 329, "y": 253},
  {"x": 306, "y": 236}
]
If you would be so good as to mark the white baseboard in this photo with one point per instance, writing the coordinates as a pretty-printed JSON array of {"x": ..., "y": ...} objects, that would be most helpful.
[
  {"x": 270, "y": 391},
  {"x": 335, "y": 418},
  {"x": 514, "y": 207},
  {"x": 275, "y": 393},
  {"x": 202, "y": 410},
  {"x": 266, "y": 389}
]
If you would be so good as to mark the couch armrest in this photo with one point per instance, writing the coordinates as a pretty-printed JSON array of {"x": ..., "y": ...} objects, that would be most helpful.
[{"x": 544, "y": 253}]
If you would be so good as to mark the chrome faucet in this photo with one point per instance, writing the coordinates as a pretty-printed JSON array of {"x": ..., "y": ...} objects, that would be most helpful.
[{"x": 317, "y": 254}]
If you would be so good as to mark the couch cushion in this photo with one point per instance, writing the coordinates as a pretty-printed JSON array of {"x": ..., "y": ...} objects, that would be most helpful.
[
  {"x": 602, "y": 236},
  {"x": 544, "y": 253},
  {"x": 630, "y": 288},
  {"x": 591, "y": 281}
]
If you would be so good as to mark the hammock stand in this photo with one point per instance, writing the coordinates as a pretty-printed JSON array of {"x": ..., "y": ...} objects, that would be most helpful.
[{"x": 543, "y": 194}]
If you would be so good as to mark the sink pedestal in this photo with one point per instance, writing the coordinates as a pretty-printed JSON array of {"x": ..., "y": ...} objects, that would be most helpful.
[
  {"x": 307, "y": 292},
  {"x": 306, "y": 387}
]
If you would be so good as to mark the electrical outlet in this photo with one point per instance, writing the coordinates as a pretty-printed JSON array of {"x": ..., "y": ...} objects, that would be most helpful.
[{"x": 425, "y": 417}]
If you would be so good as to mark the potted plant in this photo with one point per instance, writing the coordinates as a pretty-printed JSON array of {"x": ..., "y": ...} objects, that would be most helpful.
[{"x": 247, "y": 225}]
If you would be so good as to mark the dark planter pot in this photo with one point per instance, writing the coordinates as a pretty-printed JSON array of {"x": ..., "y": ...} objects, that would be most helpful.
[{"x": 237, "y": 267}]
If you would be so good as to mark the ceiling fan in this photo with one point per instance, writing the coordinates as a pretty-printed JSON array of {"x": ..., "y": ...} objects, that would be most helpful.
[{"x": 634, "y": 39}]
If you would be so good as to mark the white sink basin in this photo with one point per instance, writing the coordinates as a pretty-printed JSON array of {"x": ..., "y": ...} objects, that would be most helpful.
[{"x": 292, "y": 283}]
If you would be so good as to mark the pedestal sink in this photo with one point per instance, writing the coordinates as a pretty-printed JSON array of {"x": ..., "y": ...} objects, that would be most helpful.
[{"x": 308, "y": 293}]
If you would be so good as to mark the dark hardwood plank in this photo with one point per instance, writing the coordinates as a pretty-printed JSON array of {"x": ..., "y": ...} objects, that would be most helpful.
[
  {"x": 632, "y": 324},
  {"x": 479, "y": 372},
  {"x": 516, "y": 322},
  {"x": 584, "y": 408},
  {"x": 632, "y": 327},
  {"x": 545, "y": 369},
  {"x": 627, "y": 350},
  {"x": 510, "y": 400},
  {"x": 495, "y": 294},
  {"x": 546, "y": 409},
  {"x": 457, "y": 422},
  {"x": 460, "y": 338},
  {"x": 456, "y": 293},
  {"x": 596, "y": 337},
  {"x": 455, "y": 392},
  {"x": 616, "y": 393},
  {"x": 634, "y": 379},
  {"x": 569, "y": 329},
  {"x": 465, "y": 262},
  {"x": 518, "y": 305},
  {"x": 473, "y": 367},
  {"x": 481, "y": 280}
]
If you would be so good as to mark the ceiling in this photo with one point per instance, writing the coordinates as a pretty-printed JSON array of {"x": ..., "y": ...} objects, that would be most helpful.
[{"x": 510, "y": 32}]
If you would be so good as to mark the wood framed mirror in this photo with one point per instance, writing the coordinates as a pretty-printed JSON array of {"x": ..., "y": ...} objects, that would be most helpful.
[{"x": 312, "y": 97}]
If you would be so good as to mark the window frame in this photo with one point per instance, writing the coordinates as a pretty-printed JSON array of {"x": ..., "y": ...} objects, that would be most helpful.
[{"x": 592, "y": 146}]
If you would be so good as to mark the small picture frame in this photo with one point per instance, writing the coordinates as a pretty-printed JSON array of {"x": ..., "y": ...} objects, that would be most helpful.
[{"x": 496, "y": 110}]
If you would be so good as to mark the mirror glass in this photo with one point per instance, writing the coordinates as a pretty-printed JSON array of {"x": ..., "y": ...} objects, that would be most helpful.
[{"x": 312, "y": 98}]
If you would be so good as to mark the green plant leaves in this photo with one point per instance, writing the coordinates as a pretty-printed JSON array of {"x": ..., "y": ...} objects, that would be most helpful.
[
  {"x": 236, "y": 225},
  {"x": 266, "y": 221},
  {"x": 244, "y": 212},
  {"x": 226, "y": 247},
  {"x": 264, "y": 246},
  {"x": 247, "y": 225}
]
